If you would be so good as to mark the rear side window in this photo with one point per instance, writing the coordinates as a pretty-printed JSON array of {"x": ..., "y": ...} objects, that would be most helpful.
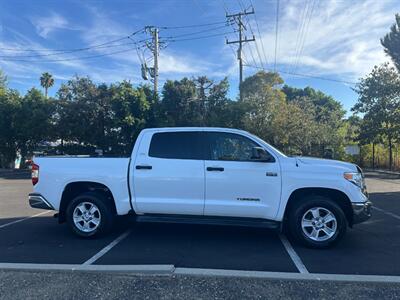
[{"x": 177, "y": 145}]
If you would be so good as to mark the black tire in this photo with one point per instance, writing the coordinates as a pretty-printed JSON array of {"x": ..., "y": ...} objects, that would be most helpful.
[
  {"x": 295, "y": 216},
  {"x": 105, "y": 211}
]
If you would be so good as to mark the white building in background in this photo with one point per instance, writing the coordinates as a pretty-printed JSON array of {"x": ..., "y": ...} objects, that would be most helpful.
[{"x": 352, "y": 150}]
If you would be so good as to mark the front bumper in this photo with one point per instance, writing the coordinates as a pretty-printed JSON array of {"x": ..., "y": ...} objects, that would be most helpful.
[
  {"x": 38, "y": 201},
  {"x": 361, "y": 211}
]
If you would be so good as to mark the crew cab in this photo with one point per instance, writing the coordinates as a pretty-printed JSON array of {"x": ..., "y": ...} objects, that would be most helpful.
[{"x": 205, "y": 176}]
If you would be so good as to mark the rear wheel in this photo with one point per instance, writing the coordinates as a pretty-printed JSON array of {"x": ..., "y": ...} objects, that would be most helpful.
[
  {"x": 317, "y": 222},
  {"x": 90, "y": 215}
]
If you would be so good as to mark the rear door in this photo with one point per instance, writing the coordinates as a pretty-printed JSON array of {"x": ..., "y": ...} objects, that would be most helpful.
[
  {"x": 168, "y": 173},
  {"x": 236, "y": 185}
]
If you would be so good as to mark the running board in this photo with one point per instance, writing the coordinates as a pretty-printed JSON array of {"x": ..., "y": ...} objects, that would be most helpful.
[{"x": 208, "y": 220}]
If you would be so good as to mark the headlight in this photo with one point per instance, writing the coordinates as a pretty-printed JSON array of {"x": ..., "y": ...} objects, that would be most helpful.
[{"x": 355, "y": 178}]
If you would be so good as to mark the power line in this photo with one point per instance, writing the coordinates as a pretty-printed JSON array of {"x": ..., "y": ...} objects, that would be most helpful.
[
  {"x": 76, "y": 49},
  {"x": 259, "y": 35},
  {"x": 254, "y": 60},
  {"x": 252, "y": 32},
  {"x": 65, "y": 52},
  {"x": 197, "y": 32},
  {"x": 299, "y": 34},
  {"x": 305, "y": 36},
  {"x": 276, "y": 32},
  {"x": 191, "y": 26},
  {"x": 309, "y": 75},
  {"x": 224, "y": 6},
  {"x": 200, "y": 37},
  {"x": 103, "y": 45},
  {"x": 71, "y": 59}
]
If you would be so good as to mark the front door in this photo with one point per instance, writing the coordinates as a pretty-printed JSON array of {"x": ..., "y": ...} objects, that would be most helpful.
[
  {"x": 237, "y": 185},
  {"x": 168, "y": 174}
]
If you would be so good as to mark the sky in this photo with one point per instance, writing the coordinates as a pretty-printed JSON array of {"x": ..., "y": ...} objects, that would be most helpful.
[{"x": 325, "y": 44}]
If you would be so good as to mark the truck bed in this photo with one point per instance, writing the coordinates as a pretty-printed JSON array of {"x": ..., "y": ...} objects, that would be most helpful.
[{"x": 57, "y": 172}]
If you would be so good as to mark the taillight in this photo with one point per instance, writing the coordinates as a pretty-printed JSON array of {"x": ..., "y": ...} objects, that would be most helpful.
[{"x": 35, "y": 173}]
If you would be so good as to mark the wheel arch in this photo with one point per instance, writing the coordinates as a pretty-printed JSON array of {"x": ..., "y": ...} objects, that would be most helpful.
[
  {"x": 74, "y": 189},
  {"x": 337, "y": 196}
]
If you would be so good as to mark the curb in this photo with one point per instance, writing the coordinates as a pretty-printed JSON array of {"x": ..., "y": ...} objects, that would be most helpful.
[
  {"x": 393, "y": 173},
  {"x": 287, "y": 276},
  {"x": 169, "y": 270},
  {"x": 134, "y": 269}
]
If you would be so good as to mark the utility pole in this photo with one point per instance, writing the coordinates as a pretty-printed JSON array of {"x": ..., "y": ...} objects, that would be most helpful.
[
  {"x": 156, "y": 50},
  {"x": 238, "y": 19},
  {"x": 154, "y": 47}
]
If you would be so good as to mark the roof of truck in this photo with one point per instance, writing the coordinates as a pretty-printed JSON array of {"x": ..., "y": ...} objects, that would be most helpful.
[{"x": 195, "y": 129}]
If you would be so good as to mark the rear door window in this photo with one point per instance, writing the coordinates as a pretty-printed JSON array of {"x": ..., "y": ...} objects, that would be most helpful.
[{"x": 177, "y": 145}]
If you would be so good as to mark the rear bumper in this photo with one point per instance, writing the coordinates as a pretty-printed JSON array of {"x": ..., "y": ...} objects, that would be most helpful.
[
  {"x": 38, "y": 201},
  {"x": 361, "y": 212}
]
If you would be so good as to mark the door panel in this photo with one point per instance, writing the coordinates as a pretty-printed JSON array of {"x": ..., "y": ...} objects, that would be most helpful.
[
  {"x": 169, "y": 185},
  {"x": 237, "y": 186}
]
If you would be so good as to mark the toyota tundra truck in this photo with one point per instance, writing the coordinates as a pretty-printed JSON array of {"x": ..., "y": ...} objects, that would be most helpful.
[{"x": 215, "y": 176}]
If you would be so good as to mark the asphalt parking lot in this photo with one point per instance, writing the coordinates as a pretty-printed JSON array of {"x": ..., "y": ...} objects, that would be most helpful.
[{"x": 33, "y": 236}]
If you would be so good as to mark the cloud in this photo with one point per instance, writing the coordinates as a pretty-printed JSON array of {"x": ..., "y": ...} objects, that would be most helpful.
[
  {"x": 46, "y": 25},
  {"x": 341, "y": 38},
  {"x": 179, "y": 64}
]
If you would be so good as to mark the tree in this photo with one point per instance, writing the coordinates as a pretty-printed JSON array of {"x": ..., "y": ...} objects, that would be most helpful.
[
  {"x": 179, "y": 105},
  {"x": 46, "y": 81},
  {"x": 9, "y": 107},
  {"x": 266, "y": 107},
  {"x": 369, "y": 133},
  {"x": 220, "y": 110},
  {"x": 195, "y": 102},
  {"x": 33, "y": 121},
  {"x": 299, "y": 121},
  {"x": 258, "y": 82},
  {"x": 391, "y": 42},
  {"x": 327, "y": 113},
  {"x": 3, "y": 81},
  {"x": 131, "y": 113},
  {"x": 101, "y": 116},
  {"x": 379, "y": 99}
]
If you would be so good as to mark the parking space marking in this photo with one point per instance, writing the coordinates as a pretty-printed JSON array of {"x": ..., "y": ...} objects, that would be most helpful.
[
  {"x": 386, "y": 212},
  {"x": 107, "y": 248},
  {"x": 23, "y": 219},
  {"x": 293, "y": 255}
]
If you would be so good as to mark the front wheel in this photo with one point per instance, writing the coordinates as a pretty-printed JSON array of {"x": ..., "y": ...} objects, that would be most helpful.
[
  {"x": 89, "y": 215},
  {"x": 317, "y": 222}
]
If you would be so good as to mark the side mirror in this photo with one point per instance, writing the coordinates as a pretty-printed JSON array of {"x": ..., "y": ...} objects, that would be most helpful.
[{"x": 259, "y": 154}]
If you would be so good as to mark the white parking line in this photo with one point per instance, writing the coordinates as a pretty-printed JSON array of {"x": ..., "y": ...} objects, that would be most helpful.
[
  {"x": 293, "y": 255},
  {"x": 106, "y": 248},
  {"x": 23, "y": 219},
  {"x": 387, "y": 212}
]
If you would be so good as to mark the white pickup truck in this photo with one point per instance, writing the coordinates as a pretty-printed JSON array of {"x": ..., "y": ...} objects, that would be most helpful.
[{"x": 204, "y": 176}]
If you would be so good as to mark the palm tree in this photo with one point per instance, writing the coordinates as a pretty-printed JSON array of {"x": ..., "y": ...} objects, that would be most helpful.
[{"x": 46, "y": 81}]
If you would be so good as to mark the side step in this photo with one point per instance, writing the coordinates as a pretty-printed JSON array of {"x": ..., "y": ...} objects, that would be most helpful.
[{"x": 209, "y": 220}]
